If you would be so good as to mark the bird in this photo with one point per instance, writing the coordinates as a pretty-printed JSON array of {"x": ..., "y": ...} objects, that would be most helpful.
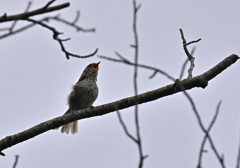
[{"x": 83, "y": 95}]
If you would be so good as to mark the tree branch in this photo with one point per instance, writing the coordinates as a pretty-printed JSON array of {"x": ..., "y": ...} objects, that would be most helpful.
[
  {"x": 190, "y": 57},
  {"x": 197, "y": 81},
  {"x": 15, "y": 22},
  {"x": 125, "y": 128},
  {"x": 136, "y": 112},
  {"x": 45, "y": 19},
  {"x": 73, "y": 24},
  {"x": 39, "y": 11},
  {"x": 124, "y": 60},
  {"x": 26, "y": 16},
  {"x": 185, "y": 64},
  {"x": 55, "y": 37},
  {"x": 207, "y": 136}
]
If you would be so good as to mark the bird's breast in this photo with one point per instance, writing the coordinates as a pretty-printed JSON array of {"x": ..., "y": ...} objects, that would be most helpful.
[{"x": 83, "y": 95}]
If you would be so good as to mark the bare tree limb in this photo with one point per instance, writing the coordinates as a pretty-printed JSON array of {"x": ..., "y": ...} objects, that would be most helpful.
[
  {"x": 203, "y": 128},
  {"x": 197, "y": 81},
  {"x": 25, "y": 15},
  {"x": 55, "y": 37},
  {"x": 137, "y": 140},
  {"x": 213, "y": 73},
  {"x": 43, "y": 20},
  {"x": 136, "y": 51}
]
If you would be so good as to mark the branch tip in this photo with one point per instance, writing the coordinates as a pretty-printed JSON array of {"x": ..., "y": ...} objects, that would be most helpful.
[
  {"x": 2, "y": 154},
  {"x": 76, "y": 18},
  {"x": 48, "y": 4},
  {"x": 154, "y": 73}
]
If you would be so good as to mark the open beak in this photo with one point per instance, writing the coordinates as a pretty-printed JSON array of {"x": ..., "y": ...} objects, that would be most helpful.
[{"x": 95, "y": 67}]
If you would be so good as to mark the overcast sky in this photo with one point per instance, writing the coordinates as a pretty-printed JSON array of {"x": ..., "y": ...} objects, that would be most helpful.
[{"x": 36, "y": 78}]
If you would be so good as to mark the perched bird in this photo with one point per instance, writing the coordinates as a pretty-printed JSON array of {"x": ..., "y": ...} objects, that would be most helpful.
[{"x": 83, "y": 94}]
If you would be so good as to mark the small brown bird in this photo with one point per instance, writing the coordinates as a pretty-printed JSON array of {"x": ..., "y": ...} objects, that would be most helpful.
[{"x": 84, "y": 93}]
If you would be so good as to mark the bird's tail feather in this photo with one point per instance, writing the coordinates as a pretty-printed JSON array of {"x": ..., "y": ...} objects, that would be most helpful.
[{"x": 73, "y": 126}]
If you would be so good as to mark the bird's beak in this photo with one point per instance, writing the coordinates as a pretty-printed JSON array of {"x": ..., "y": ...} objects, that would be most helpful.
[{"x": 95, "y": 67}]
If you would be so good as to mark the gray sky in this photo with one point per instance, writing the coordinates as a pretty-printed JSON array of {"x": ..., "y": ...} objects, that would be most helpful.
[{"x": 36, "y": 79}]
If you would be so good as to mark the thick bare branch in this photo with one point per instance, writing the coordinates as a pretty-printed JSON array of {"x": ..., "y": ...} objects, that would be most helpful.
[
  {"x": 39, "y": 11},
  {"x": 198, "y": 81}
]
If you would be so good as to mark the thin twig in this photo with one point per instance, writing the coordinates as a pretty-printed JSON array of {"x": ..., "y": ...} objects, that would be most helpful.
[
  {"x": 15, "y": 22},
  {"x": 32, "y": 24},
  {"x": 136, "y": 48},
  {"x": 139, "y": 65},
  {"x": 154, "y": 73},
  {"x": 78, "y": 28},
  {"x": 195, "y": 111},
  {"x": 201, "y": 152},
  {"x": 55, "y": 37},
  {"x": 125, "y": 128},
  {"x": 207, "y": 135},
  {"x": 28, "y": 6},
  {"x": 185, "y": 64},
  {"x": 190, "y": 57},
  {"x": 221, "y": 159},
  {"x": 76, "y": 18},
  {"x": 215, "y": 116},
  {"x": 16, "y": 161},
  {"x": 19, "y": 30},
  {"x": 48, "y": 4},
  {"x": 202, "y": 127},
  {"x": 123, "y": 58}
]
